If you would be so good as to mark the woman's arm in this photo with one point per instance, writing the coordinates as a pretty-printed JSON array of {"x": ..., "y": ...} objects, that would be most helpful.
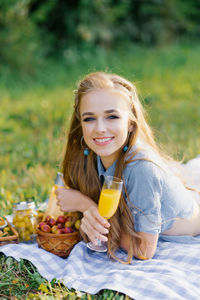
[
  {"x": 148, "y": 245},
  {"x": 73, "y": 200},
  {"x": 96, "y": 227}
]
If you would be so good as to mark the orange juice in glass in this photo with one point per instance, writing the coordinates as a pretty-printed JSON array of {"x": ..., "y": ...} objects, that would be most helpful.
[{"x": 108, "y": 203}]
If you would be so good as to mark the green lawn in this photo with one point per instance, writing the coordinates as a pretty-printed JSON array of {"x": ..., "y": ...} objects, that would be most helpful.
[{"x": 34, "y": 113}]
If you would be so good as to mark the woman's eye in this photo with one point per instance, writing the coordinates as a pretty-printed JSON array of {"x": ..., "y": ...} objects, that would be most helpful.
[
  {"x": 88, "y": 119},
  {"x": 113, "y": 117}
]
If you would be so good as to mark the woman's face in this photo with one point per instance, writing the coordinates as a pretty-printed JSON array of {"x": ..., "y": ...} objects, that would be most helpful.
[{"x": 105, "y": 122}]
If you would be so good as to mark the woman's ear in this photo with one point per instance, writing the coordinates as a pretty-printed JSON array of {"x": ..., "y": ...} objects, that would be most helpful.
[{"x": 130, "y": 129}]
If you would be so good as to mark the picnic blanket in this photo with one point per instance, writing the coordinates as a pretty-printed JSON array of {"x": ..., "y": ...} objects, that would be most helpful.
[{"x": 173, "y": 273}]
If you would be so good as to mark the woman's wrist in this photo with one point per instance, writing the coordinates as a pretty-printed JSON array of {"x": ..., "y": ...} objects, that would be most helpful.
[{"x": 85, "y": 203}]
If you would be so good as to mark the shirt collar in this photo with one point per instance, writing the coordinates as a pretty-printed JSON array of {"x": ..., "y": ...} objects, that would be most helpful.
[
  {"x": 111, "y": 170},
  {"x": 101, "y": 171}
]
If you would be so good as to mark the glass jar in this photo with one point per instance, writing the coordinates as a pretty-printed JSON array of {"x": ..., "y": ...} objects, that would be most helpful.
[{"x": 25, "y": 220}]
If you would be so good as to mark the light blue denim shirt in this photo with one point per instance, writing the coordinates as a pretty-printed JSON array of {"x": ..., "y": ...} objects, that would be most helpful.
[{"x": 156, "y": 196}]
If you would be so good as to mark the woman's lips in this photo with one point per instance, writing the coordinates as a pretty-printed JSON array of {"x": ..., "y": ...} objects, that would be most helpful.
[{"x": 103, "y": 141}]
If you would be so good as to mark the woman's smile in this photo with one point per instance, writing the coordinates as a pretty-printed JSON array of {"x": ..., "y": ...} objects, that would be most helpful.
[{"x": 102, "y": 141}]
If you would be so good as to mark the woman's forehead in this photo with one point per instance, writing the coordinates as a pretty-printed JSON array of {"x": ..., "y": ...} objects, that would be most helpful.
[{"x": 105, "y": 99}]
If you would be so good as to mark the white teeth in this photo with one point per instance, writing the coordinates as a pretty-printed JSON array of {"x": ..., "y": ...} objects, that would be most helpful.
[{"x": 103, "y": 140}]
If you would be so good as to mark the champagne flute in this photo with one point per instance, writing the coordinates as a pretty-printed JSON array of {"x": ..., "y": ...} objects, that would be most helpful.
[{"x": 108, "y": 203}]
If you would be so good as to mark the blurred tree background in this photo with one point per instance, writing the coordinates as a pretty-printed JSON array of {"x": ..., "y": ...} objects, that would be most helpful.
[{"x": 32, "y": 30}]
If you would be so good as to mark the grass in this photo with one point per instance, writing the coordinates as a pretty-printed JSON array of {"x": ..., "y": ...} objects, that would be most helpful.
[
  {"x": 34, "y": 114},
  {"x": 20, "y": 280}
]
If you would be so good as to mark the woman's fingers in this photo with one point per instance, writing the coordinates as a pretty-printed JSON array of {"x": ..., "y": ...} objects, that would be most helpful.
[
  {"x": 64, "y": 201},
  {"x": 94, "y": 225},
  {"x": 92, "y": 213},
  {"x": 91, "y": 232},
  {"x": 59, "y": 192},
  {"x": 93, "y": 222}
]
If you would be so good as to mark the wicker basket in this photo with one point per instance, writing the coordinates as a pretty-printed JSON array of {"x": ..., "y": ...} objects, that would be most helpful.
[
  {"x": 10, "y": 239},
  {"x": 58, "y": 244}
]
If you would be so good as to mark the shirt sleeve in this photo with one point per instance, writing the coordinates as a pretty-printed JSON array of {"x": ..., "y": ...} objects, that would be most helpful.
[{"x": 144, "y": 187}]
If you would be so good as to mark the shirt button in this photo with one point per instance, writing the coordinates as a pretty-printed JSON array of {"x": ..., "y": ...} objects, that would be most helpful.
[{"x": 102, "y": 179}]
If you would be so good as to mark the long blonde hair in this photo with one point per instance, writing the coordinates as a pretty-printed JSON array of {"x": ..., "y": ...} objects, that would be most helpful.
[{"x": 80, "y": 172}]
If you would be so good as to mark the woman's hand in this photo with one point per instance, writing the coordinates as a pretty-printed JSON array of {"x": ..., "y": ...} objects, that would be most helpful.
[
  {"x": 94, "y": 226},
  {"x": 72, "y": 200}
]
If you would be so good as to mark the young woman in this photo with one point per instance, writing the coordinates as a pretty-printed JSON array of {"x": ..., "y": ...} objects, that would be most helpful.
[{"x": 110, "y": 136}]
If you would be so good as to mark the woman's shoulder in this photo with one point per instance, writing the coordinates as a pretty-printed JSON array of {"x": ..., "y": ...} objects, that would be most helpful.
[
  {"x": 144, "y": 173},
  {"x": 143, "y": 159},
  {"x": 144, "y": 168}
]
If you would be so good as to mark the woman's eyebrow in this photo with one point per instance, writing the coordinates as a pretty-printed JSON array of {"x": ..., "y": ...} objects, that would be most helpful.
[
  {"x": 109, "y": 111},
  {"x": 87, "y": 113}
]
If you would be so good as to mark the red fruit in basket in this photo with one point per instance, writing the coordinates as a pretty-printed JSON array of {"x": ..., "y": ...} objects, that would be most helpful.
[
  {"x": 61, "y": 219},
  {"x": 69, "y": 222},
  {"x": 40, "y": 224},
  {"x": 46, "y": 228},
  {"x": 47, "y": 219},
  {"x": 67, "y": 230},
  {"x": 51, "y": 222},
  {"x": 59, "y": 225}
]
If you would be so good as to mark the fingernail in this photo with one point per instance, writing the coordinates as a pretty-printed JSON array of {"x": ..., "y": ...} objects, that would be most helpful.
[{"x": 105, "y": 239}]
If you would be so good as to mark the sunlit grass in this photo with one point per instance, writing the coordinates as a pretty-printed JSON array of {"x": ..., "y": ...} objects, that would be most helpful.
[{"x": 22, "y": 281}]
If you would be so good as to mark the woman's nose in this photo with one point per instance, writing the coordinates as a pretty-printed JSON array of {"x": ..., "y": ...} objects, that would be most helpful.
[{"x": 100, "y": 126}]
